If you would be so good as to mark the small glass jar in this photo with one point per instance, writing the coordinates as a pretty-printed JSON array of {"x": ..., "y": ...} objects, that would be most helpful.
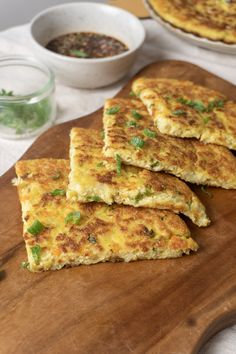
[{"x": 27, "y": 100}]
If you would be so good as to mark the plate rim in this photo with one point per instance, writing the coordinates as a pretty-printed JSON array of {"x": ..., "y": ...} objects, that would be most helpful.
[{"x": 191, "y": 37}]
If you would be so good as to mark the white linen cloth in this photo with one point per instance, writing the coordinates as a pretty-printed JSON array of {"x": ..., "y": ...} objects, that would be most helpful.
[{"x": 73, "y": 103}]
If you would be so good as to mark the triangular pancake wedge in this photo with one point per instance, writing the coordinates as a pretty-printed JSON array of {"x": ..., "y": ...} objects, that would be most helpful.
[
  {"x": 94, "y": 177},
  {"x": 60, "y": 233},
  {"x": 183, "y": 109},
  {"x": 130, "y": 133}
]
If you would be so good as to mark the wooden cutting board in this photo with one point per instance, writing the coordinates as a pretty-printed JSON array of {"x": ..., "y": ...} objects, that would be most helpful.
[
  {"x": 136, "y": 7},
  {"x": 161, "y": 307}
]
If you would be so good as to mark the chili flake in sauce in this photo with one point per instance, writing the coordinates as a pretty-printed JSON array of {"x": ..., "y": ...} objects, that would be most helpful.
[{"x": 87, "y": 45}]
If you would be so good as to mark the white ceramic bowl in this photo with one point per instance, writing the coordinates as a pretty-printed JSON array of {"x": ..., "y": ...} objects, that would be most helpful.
[{"x": 87, "y": 17}]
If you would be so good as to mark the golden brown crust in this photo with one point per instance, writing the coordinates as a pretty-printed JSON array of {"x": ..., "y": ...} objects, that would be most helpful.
[
  {"x": 215, "y": 20},
  {"x": 182, "y": 157},
  {"x": 103, "y": 232},
  {"x": 183, "y": 109},
  {"x": 95, "y": 177}
]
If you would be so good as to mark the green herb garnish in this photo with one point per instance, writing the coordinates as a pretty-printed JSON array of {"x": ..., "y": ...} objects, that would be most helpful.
[
  {"x": 179, "y": 112},
  {"x": 113, "y": 110},
  {"x": 57, "y": 176},
  {"x": 24, "y": 265},
  {"x": 6, "y": 93},
  {"x": 60, "y": 192},
  {"x": 73, "y": 218},
  {"x": 168, "y": 97},
  {"x": 135, "y": 114},
  {"x": 206, "y": 119},
  {"x": 36, "y": 253},
  {"x": 118, "y": 164},
  {"x": 215, "y": 104},
  {"x": 155, "y": 164},
  {"x": 131, "y": 124},
  {"x": 92, "y": 239},
  {"x": 36, "y": 228},
  {"x": 190, "y": 204},
  {"x": 79, "y": 53},
  {"x": 137, "y": 142},
  {"x": 149, "y": 133},
  {"x": 102, "y": 133},
  {"x": 197, "y": 105},
  {"x": 100, "y": 164},
  {"x": 22, "y": 116},
  {"x": 147, "y": 193},
  {"x": 181, "y": 100},
  {"x": 132, "y": 94},
  {"x": 93, "y": 198}
]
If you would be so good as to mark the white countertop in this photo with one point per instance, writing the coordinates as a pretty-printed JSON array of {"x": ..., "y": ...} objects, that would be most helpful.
[{"x": 74, "y": 103}]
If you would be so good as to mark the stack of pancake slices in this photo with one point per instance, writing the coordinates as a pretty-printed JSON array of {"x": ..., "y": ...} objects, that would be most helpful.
[{"x": 119, "y": 195}]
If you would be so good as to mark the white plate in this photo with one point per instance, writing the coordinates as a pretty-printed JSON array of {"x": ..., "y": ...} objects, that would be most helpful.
[{"x": 191, "y": 38}]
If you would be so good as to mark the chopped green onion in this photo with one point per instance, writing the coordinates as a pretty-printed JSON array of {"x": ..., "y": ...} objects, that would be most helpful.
[
  {"x": 118, "y": 164},
  {"x": 24, "y": 117},
  {"x": 100, "y": 164},
  {"x": 93, "y": 198},
  {"x": 179, "y": 112},
  {"x": 135, "y": 114},
  {"x": 149, "y": 133},
  {"x": 190, "y": 202},
  {"x": 24, "y": 265},
  {"x": 215, "y": 104},
  {"x": 113, "y": 110},
  {"x": 131, "y": 123},
  {"x": 79, "y": 53},
  {"x": 6, "y": 93},
  {"x": 36, "y": 253},
  {"x": 57, "y": 176},
  {"x": 137, "y": 142},
  {"x": 141, "y": 195},
  {"x": 206, "y": 119},
  {"x": 181, "y": 100},
  {"x": 92, "y": 239},
  {"x": 73, "y": 218},
  {"x": 132, "y": 94},
  {"x": 155, "y": 164},
  {"x": 102, "y": 132},
  {"x": 168, "y": 97},
  {"x": 197, "y": 105},
  {"x": 36, "y": 228},
  {"x": 58, "y": 192}
]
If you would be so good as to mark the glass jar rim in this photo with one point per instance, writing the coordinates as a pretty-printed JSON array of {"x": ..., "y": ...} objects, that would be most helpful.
[{"x": 29, "y": 61}]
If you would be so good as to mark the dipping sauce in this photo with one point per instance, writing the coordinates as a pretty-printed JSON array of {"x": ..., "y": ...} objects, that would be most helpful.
[{"x": 86, "y": 45}]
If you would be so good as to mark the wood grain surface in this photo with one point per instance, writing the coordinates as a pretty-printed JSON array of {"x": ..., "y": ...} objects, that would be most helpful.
[{"x": 161, "y": 307}]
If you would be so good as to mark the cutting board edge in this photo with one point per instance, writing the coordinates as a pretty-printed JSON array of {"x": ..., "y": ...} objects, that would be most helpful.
[{"x": 216, "y": 324}]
